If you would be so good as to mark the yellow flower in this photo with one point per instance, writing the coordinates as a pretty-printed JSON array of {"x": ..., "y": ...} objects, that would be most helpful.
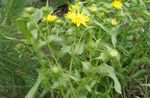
[
  {"x": 50, "y": 18},
  {"x": 117, "y": 4},
  {"x": 114, "y": 22},
  {"x": 93, "y": 8},
  {"x": 78, "y": 18}
]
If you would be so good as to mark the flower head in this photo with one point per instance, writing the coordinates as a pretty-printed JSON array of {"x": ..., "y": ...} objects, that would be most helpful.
[
  {"x": 114, "y": 22},
  {"x": 78, "y": 18},
  {"x": 114, "y": 53},
  {"x": 93, "y": 8},
  {"x": 50, "y": 18},
  {"x": 117, "y": 4}
]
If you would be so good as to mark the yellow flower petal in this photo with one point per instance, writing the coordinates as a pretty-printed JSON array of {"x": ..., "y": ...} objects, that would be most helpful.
[
  {"x": 50, "y": 18},
  {"x": 117, "y": 4},
  {"x": 78, "y": 18}
]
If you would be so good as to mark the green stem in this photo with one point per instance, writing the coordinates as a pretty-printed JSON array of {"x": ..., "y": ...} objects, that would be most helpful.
[
  {"x": 81, "y": 37},
  {"x": 70, "y": 72},
  {"x": 70, "y": 67},
  {"x": 47, "y": 3},
  {"x": 76, "y": 92},
  {"x": 62, "y": 92},
  {"x": 48, "y": 44}
]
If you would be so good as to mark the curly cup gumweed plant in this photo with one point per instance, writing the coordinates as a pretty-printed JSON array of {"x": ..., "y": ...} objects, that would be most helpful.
[
  {"x": 65, "y": 51},
  {"x": 81, "y": 54}
]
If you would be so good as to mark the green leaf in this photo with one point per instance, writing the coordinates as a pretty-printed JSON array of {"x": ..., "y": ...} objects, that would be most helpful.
[
  {"x": 31, "y": 25},
  {"x": 103, "y": 56},
  {"x": 41, "y": 44},
  {"x": 21, "y": 25},
  {"x": 37, "y": 16},
  {"x": 148, "y": 85},
  {"x": 82, "y": 93},
  {"x": 79, "y": 48},
  {"x": 109, "y": 71},
  {"x": 38, "y": 44},
  {"x": 88, "y": 88},
  {"x": 141, "y": 73},
  {"x": 86, "y": 66},
  {"x": 64, "y": 50},
  {"x": 33, "y": 90},
  {"x": 74, "y": 78},
  {"x": 34, "y": 33},
  {"x": 102, "y": 26},
  {"x": 113, "y": 39},
  {"x": 54, "y": 38}
]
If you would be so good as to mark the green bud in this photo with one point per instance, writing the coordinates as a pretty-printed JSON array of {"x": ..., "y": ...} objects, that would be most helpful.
[
  {"x": 55, "y": 69},
  {"x": 30, "y": 10}
]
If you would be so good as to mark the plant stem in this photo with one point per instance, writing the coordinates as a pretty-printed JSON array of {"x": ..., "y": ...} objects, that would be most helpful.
[{"x": 48, "y": 44}]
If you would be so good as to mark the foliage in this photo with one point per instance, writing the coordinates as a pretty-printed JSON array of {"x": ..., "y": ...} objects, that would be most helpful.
[
  {"x": 87, "y": 61},
  {"x": 105, "y": 53}
]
